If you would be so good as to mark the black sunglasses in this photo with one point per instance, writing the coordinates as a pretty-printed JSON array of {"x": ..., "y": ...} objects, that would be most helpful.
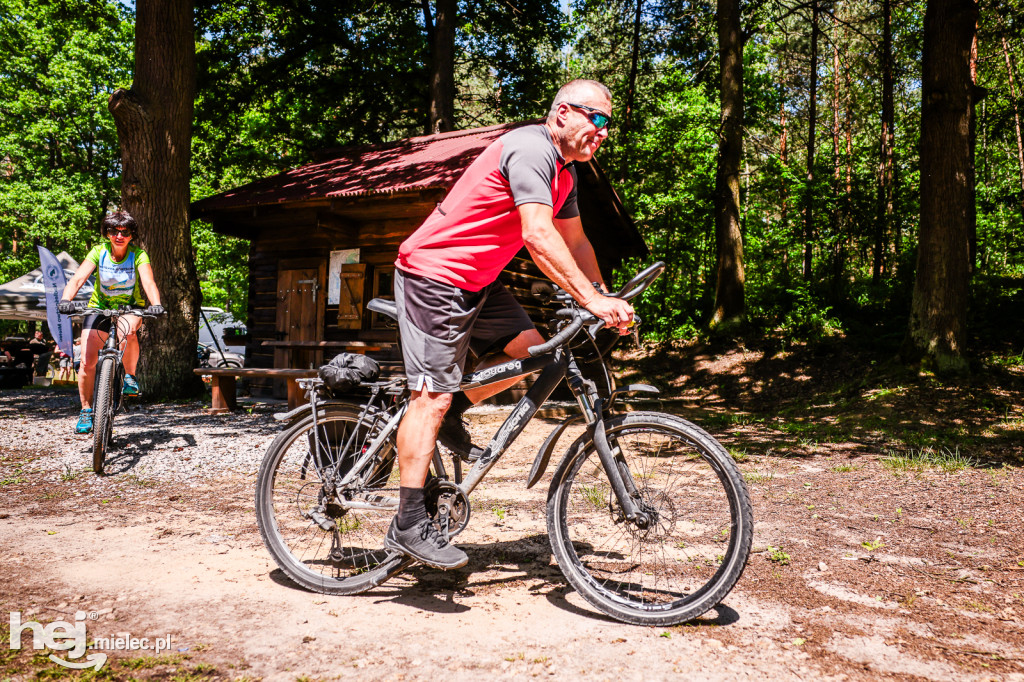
[
  {"x": 123, "y": 231},
  {"x": 599, "y": 119}
]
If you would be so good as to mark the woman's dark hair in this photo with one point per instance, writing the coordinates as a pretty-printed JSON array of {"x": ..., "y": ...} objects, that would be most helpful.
[{"x": 119, "y": 219}]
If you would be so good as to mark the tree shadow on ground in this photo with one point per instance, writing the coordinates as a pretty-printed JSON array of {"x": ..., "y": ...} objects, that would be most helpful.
[
  {"x": 762, "y": 398},
  {"x": 526, "y": 560}
]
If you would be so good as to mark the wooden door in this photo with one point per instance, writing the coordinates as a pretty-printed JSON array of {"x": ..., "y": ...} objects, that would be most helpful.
[{"x": 300, "y": 305}]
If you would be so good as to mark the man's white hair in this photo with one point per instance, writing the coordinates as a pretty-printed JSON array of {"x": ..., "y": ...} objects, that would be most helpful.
[{"x": 575, "y": 90}]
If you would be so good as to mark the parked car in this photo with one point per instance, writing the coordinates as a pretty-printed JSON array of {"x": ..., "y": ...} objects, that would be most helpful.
[
  {"x": 219, "y": 322},
  {"x": 211, "y": 357}
]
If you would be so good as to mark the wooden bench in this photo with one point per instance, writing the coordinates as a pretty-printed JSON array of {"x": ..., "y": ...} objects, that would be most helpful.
[{"x": 223, "y": 383}]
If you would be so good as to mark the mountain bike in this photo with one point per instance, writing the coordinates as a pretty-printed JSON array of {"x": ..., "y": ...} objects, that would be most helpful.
[
  {"x": 107, "y": 396},
  {"x": 648, "y": 516}
]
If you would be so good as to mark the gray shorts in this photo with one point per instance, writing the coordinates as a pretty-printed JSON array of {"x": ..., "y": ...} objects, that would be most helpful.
[{"x": 439, "y": 324}]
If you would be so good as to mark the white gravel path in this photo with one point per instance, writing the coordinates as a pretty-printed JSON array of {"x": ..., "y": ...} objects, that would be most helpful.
[
  {"x": 167, "y": 442},
  {"x": 158, "y": 442}
]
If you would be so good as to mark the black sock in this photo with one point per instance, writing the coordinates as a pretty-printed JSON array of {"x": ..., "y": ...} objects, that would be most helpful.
[
  {"x": 412, "y": 507},
  {"x": 460, "y": 403}
]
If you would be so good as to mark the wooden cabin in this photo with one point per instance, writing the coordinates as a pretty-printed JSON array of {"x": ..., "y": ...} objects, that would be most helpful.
[{"x": 324, "y": 238}]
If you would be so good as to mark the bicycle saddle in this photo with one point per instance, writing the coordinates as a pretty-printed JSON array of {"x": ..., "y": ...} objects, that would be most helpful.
[{"x": 384, "y": 307}]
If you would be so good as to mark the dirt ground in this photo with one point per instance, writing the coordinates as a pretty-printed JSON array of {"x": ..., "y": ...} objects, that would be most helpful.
[{"x": 865, "y": 566}]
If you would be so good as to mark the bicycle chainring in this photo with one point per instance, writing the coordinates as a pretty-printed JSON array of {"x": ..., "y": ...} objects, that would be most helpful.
[{"x": 440, "y": 495}]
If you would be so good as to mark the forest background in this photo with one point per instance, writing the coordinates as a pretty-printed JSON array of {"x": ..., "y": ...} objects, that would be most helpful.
[{"x": 828, "y": 177}]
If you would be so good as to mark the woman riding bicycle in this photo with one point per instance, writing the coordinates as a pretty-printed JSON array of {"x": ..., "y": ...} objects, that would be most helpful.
[{"x": 123, "y": 269}]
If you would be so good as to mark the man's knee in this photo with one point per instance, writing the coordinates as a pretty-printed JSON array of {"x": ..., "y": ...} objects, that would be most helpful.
[{"x": 519, "y": 347}]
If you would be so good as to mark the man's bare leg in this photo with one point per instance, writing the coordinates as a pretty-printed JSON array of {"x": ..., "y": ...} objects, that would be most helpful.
[
  {"x": 417, "y": 434},
  {"x": 516, "y": 349},
  {"x": 416, "y": 437}
]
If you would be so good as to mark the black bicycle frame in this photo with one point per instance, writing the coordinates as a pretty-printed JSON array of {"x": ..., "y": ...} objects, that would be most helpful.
[
  {"x": 553, "y": 367},
  {"x": 111, "y": 347}
]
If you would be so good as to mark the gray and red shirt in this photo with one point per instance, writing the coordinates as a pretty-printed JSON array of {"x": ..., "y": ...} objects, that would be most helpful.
[{"x": 474, "y": 233}]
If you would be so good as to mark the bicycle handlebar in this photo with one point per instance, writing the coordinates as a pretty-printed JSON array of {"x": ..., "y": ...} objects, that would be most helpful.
[
  {"x": 558, "y": 339},
  {"x": 106, "y": 312},
  {"x": 633, "y": 288},
  {"x": 640, "y": 281}
]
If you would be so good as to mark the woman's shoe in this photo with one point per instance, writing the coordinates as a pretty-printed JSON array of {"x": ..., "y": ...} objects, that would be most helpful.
[
  {"x": 131, "y": 386},
  {"x": 84, "y": 424}
]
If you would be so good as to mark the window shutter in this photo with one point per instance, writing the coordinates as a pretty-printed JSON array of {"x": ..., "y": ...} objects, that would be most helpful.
[{"x": 350, "y": 305}]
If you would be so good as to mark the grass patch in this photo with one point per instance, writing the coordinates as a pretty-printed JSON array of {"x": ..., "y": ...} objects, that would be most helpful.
[
  {"x": 944, "y": 459},
  {"x": 148, "y": 662},
  {"x": 757, "y": 477},
  {"x": 843, "y": 468}
]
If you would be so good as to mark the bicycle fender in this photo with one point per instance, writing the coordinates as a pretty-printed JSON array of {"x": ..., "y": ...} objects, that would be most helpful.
[
  {"x": 285, "y": 416},
  {"x": 540, "y": 462},
  {"x": 306, "y": 407}
]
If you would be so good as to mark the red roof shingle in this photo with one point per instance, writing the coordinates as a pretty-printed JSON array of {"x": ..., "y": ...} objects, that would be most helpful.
[{"x": 417, "y": 163}]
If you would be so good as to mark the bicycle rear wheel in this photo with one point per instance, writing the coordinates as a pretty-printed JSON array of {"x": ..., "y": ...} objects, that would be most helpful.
[
  {"x": 700, "y": 529},
  {"x": 103, "y": 412},
  {"x": 319, "y": 543}
]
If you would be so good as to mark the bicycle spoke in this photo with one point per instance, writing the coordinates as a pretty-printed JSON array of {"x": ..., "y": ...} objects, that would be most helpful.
[{"x": 682, "y": 545}]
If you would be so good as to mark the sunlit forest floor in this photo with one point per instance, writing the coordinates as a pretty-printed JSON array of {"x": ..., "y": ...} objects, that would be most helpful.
[
  {"x": 851, "y": 391},
  {"x": 887, "y": 503}
]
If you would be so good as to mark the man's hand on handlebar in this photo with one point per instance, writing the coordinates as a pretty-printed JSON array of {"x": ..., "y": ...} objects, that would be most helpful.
[
  {"x": 154, "y": 310},
  {"x": 614, "y": 312}
]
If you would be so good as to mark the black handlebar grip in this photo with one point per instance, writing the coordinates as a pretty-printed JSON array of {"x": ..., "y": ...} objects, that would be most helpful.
[{"x": 558, "y": 339}]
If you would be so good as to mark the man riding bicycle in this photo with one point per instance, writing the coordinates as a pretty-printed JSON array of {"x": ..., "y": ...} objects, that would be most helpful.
[{"x": 521, "y": 190}]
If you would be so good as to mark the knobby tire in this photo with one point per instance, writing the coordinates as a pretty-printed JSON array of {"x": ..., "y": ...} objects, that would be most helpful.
[
  {"x": 691, "y": 555},
  {"x": 349, "y": 558},
  {"x": 103, "y": 413}
]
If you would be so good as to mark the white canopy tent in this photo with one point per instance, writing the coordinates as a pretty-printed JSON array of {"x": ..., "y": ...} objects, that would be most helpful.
[{"x": 22, "y": 298}]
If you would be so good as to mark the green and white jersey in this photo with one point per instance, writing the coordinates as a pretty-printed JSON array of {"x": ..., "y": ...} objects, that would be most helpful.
[{"x": 117, "y": 283}]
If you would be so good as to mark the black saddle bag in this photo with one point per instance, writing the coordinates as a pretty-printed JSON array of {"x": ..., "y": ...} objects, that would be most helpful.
[{"x": 347, "y": 371}]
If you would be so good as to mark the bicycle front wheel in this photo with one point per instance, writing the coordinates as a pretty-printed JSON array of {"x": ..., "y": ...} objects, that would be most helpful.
[
  {"x": 103, "y": 412},
  {"x": 697, "y": 528},
  {"x": 328, "y": 540}
]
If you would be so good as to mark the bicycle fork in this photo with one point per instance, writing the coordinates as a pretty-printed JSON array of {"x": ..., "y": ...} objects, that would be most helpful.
[{"x": 614, "y": 464}]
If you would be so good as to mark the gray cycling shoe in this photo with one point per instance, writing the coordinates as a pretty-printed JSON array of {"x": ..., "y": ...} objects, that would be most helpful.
[{"x": 424, "y": 543}]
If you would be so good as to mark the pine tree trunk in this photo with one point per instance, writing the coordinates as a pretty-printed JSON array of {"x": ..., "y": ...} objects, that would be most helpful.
[
  {"x": 729, "y": 287},
  {"x": 972, "y": 216},
  {"x": 442, "y": 73},
  {"x": 627, "y": 119},
  {"x": 812, "y": 124},
  {"x": 1016, "y": 117},
  {"x": 937, "y": 330},
  {"x": 838, "y": 219},
  {"x": 886, "y": 163},
  {"x": 784, "y": 160},
  {"x": 154, "y": 128}
]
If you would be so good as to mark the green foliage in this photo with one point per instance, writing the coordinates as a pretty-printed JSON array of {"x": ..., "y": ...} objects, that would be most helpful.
[
  {"x": 278, "y": 83},
  {"x": 59, "y": 62},
  {"x": 779, "y": 556},
  {"x": 670, "y": 196},
  {"x": 223, "y": 266}
]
